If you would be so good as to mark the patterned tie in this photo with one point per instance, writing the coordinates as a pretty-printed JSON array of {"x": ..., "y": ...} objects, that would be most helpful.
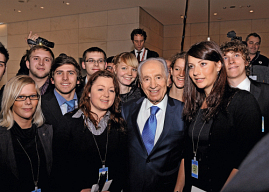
[
  {"x": 71, "y": 105},
  {"x": 148, "y": 133},
  {"x": 138, "y": 56}
]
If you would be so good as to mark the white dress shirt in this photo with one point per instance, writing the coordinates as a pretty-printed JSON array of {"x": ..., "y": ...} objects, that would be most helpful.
[
  {"x": 141, "y": 54},
  {"x": 144, "y": 114},
  {"x": 244, "y": 85}
]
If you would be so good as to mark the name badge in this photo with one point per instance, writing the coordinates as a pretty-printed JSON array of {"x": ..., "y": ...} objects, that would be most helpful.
[
  {"x": 37, "y": 190},
  {"x": 262, "y": 123},
  {"x": 194, "y": 168},
  {"x": 103, "y": 171}
]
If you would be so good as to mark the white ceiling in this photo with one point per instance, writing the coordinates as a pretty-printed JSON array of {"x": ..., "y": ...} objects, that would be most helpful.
[{"x": 166, "y": 11}]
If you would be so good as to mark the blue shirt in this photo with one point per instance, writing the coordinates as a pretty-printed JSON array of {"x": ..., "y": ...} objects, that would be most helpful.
[{"x": 61, "y": 101}]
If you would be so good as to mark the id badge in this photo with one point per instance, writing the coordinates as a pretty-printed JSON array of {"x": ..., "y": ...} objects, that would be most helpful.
[
  {"x": 262, "y": 123},
  {"x": 103, "y": 171},
  {"x": 194, "y": 168},
  {"x": 37, "y": 190},
  {"x": 253, "y": 77}
]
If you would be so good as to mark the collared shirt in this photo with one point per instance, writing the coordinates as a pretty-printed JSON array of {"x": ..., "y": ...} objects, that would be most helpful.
[
  {"x": 61, "y": 101},
  {"x": 101, "y": 125},
  {"x": 244, "y": 85},
  {"x": 44, "y": 87},
  {"x": 86, "y": 80},
  {"x": 141, "y": 54},
  {"x": 144, "y": 114}
]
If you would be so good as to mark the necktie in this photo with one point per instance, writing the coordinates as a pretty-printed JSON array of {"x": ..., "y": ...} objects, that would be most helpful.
[
  {"x": 71, "y": 105},
  {"x": 148, "y": 133},
  {"x": 138, "y": 56}
]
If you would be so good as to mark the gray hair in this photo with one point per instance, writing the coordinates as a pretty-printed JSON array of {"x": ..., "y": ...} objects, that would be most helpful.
[{"x": 161, "y": 60}]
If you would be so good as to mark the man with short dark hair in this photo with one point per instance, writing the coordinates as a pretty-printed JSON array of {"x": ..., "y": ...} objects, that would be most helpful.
[
  {"x": 4, "y": 57},
  {"x": 39, "y": 60},
  {"x": 259, "y": 68},
  {"x": 65, "y": 74},
  {"x": 139, "y": 37},
  {"x": 155, "y": 132},
  {"x": 110, "y": 64},
  {"x": 236, "y": 60}
]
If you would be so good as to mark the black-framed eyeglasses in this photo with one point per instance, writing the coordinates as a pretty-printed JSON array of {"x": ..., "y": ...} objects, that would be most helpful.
[
  {"x": 92, "y": 61},
  {"x": 23, "y": 98}
]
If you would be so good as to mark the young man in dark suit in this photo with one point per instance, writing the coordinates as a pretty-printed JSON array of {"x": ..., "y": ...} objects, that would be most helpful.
[
  {"x": 236, "y": 60},
  {"x": 138, "y": 37},
  {"x": 155, "y": 131},
  {"x": 65, "y": 74}
]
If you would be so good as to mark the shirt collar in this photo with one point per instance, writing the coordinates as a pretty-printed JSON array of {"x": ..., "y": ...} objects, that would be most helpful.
[
  {"x": 142, "y": 50},
  {"x": 244, "y": 85},
  {"x": 162, "y": 105},
  {"x": 61, "y": 100}
]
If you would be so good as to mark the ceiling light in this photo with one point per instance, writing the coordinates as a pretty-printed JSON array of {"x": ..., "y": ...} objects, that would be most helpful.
[
  {"x": 215, "y": 13},
  {"x": 67, "y": 3},
  {"x": 19, "y": 11},
  {"x": 251, "y": 11},
  {"x": 181, "y": 16},
  {"x": 42, "y": 7}
]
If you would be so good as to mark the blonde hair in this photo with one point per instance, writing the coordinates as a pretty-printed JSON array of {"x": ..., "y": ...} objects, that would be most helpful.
[
  {"x": 127, "y": 58},
  {"x": 11, "y": 92}
]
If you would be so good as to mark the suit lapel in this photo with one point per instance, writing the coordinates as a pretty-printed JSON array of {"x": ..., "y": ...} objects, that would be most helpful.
[
  {"x": 255, "y": 89},
  {"x": 135, "y": 127},
  {"x": 168, "y": 121}
]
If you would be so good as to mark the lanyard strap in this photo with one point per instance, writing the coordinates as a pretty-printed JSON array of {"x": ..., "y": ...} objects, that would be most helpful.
[
  {"x": 195, "y": 150},
  {"x": 38, "y": 166}
]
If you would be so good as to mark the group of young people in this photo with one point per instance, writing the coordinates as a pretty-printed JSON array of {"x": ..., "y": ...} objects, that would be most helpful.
[{"x": 77, "y": 136}]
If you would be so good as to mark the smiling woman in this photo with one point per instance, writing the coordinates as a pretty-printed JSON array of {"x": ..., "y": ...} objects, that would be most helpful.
[
  {"x": 223, "y": 122},
  {"x": 98, "y": 136},
  {"x": 25, "y": 142},
  {"x": 125, "y": 68}
]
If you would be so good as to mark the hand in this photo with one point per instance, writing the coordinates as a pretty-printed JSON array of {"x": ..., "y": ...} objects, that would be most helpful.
[
  {"x": 85, "y": 190},
  {"x": 32, "y": 37}
]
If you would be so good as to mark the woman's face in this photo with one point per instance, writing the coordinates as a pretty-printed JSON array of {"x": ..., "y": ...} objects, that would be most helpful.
[
  {"x": 102, "y": 95},
  {"x": 24, "y": 110},
  {"x": 203, "y": 73},
  {"x": 178, "y": 73},
  {"x": 125, "y": 74}
]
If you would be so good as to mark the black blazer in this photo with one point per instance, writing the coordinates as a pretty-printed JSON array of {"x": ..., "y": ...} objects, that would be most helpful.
[
  {"x": 157, "y": 171},
  {"x": 261, "y": 93},
  {"x": 150, "y": 53},
  {"x": 233, "y": 133}
]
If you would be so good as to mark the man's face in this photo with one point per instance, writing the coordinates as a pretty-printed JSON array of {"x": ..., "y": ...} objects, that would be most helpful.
[
  {"x": 138, "y": 42},
  {"x": 39, "y": 64},
  {"x": 2, "y": 65},
  {"x": 235, "y": 65},
  {"x": 253, "y": 45},
  {"x": 95, "y": 61},
  {"x": 153, "y": 81},
  {"x": 65, "y": 79},
  {"x": 110, "y": 67}
]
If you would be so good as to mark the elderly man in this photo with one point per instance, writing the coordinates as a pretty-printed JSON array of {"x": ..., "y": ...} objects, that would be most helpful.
[{"x": 155, "y": 131}]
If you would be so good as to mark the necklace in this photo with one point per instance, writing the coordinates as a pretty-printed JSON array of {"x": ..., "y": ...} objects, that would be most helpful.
[
  {"x": 38, "y": 166},
  {"x": 195, "y": 151}
]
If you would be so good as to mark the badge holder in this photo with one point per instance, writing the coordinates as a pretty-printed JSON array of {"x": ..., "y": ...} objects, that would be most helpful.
[{"x": 194, "y": 168}]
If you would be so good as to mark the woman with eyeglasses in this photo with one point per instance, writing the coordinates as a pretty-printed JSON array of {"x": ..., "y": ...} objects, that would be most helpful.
[
  {"x": 223, "y": 123},
  {"x": 25, "y": 141},
  {"x": 125, "y": 69}
]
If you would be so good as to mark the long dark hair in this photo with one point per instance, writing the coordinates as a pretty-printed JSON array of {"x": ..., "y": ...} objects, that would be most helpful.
[
  {"x": 193, "y": 96},
  {"x": 115, "y": 114}
]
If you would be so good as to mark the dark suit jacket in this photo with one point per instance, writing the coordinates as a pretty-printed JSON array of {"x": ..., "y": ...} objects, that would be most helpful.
[
  {"x": 61, "y": 135},
  {"x": 261, "y": 93},
  {"x": 9, "y": 174},
  {"x": 150, "y": 53},
  {"x": 158, "y": 170},
  {"x": 254, "y": 171}
]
